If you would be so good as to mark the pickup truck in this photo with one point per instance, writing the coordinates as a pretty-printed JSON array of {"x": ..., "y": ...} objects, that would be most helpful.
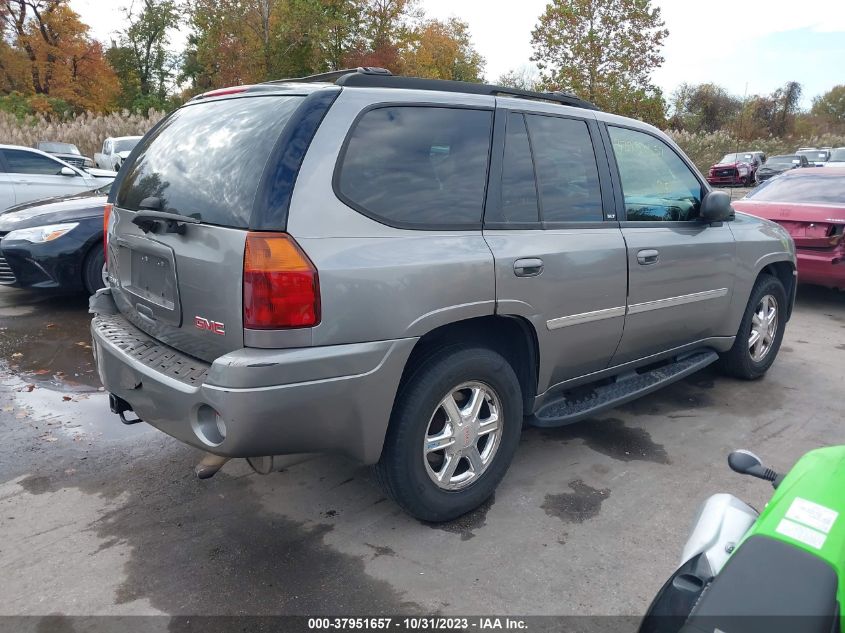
[{"x": 115, "y": 151}]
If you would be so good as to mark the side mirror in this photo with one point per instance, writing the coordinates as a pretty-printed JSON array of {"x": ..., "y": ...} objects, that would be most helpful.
[
  {"x": 716, "y": 207},
  {"x": 744, "y": 462},
  {"x": 747, "y": 463},
  {"x": 67, "y": 171}
]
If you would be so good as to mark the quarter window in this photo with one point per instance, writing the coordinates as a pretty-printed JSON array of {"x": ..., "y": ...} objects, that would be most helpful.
[
  {"x": 417, "y": 166},
  {"x": 567, "y": 173},
  {"x": 23, "y": 162},
  {"x": 656, "y": 183}
]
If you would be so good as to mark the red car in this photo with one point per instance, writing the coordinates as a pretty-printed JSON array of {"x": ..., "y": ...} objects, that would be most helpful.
[
  {"x": 734, "y": 169},
  {"x": 810, "y": 204}
]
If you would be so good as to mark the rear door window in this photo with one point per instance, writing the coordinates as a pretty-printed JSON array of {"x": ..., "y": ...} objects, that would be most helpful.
[
  {"x": 519, "y": 187},
  {"x": 206, "y": 159},
  {"x": 23, "y": 162},
  {"x": 567, "y": 173},
  {"x": 418, "y": 166}
]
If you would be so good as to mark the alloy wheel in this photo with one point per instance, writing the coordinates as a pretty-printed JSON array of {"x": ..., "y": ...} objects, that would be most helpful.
[
  {"x": 764, "y": 324},
  {"x": 462, "y": 436}
]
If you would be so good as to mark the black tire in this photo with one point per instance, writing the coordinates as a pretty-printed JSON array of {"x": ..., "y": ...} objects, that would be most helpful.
[
  {"x": 738, "y": 362},
  {"x": 92, "y": 269},
  {"x": 402, "y": 471}
]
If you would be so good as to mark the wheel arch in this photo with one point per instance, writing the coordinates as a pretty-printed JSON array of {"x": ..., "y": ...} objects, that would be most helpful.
[
  {"x": 784, "y": 271},
  {"x": 513, "y": 337}
]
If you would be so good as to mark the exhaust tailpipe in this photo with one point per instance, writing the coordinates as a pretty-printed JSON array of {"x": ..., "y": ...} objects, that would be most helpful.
[{"x": 209, "y": 465}]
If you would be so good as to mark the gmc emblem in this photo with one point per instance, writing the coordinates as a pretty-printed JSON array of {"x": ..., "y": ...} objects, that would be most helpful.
[{"x": 214, "y": 327}]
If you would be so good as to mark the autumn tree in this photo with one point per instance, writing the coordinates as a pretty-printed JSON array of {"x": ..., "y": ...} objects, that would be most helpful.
[
  {"x": 247, "y": 41},
  {"x": 141, "y": 57},
  {"x": 48, "y": 53},
  {"x": 230, "y": 42},
  {"x": 388, "y": 27},
  {"x": 604, "y": 51},
  {"x": 443, "y": 50}
]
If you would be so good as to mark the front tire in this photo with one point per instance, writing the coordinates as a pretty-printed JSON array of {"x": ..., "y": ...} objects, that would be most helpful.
[
  {"x": 92, "y": 270},
  {"x": 760, "y": 332},
  {"x": 453, "y": 432}
]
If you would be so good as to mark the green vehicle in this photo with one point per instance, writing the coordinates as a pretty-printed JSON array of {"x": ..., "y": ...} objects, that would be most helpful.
[{"x": 771, "y": 572}]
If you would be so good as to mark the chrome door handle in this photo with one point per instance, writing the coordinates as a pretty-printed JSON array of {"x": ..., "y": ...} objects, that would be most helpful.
[
  {"x": 647, "y": 257},
  {"x": 529, "y": 267}
]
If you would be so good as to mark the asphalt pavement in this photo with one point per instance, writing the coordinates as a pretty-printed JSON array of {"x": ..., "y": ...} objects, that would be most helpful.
[{"x": 101, "y": 518}]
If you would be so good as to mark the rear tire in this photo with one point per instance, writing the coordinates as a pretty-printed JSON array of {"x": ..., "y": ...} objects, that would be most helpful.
[
  {"x": 478, "y": 442},
  {"x": 92, "y": 270},
  {"x": 760, "y": 332}
]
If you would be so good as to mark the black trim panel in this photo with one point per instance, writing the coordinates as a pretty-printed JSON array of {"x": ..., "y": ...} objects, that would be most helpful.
[{"x": 275, "y": 189}]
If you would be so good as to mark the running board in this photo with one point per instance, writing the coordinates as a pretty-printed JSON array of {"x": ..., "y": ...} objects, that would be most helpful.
[{"x": 571, "y": 408}]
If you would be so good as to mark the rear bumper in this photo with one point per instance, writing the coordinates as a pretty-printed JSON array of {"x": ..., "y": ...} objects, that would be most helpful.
[
  {"x": 333, "y": 399},
  {"x": 823, "y": 268}
]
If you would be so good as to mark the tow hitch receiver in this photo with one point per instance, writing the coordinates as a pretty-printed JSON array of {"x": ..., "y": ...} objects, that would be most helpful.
[{"x": 120, "y": 406}]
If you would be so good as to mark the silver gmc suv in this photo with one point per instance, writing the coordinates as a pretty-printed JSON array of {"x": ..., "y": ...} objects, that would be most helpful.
[{"x": 406, "y": 271}]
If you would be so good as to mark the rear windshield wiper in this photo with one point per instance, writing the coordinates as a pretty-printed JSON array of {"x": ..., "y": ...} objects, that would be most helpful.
[{"x": 153, "y": 221}]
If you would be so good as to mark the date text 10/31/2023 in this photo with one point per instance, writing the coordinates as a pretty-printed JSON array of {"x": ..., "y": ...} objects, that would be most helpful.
[{"x": 481, "y": 623}]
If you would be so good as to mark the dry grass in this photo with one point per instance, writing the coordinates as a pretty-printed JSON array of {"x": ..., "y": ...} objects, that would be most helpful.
[{"x": 86, "y": 131}]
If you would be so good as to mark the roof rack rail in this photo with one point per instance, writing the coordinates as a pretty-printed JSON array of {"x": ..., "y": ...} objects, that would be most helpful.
[
  {"x": 373, "y": 77},
  {"x": 357, "y": 78},
  {"x": 333, "y": 75}
]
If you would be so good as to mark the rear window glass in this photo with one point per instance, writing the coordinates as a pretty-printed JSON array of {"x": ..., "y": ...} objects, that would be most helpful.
[
  {"x": 519, "y": 190},
  {"x": 205, "y": 160},
  {"x": 807, "y": 188},
  {"x": 414, "y": 166}
]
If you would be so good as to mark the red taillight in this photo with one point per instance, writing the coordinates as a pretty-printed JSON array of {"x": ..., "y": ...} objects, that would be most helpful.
[
  {"x": 106, "y": 218},
  {"x": 281, "y": 286}
]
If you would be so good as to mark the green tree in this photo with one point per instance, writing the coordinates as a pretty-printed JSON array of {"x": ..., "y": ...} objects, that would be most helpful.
[
  {"x": 141, "y": 58},
  {"x": 831, "y": 105},
  {"x": 604, "y": 51},
  {"x": 703, "y": 108}
]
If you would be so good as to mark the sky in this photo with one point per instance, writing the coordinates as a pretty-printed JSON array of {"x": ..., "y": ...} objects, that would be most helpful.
[{"x": 747, "y": 46}]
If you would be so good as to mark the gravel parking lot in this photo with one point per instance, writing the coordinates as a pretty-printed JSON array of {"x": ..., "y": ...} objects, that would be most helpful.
[{"x": 101, "y": 518}]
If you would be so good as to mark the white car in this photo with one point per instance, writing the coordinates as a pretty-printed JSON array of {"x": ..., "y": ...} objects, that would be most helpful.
[
  {"x": 837, "y": 158},
  {"x": 29, "y": 174},
  {"x": 115, "y": 151}
]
